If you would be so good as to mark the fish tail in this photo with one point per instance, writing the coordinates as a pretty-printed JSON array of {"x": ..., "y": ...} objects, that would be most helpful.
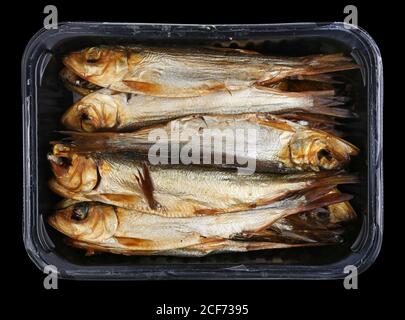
[
  {"x": 327, "y": 98},
  {"x": 317, "y": 198},
  {"x": 319, "y": 102},
  {"x": 333, "y": 112},
  {"x": 323, "y": 104},
  {"x": 307, "y": 200},
  {"x": 335, "y": 178},
  {"x": 323, "y": 77},
  {"x": 312, "y": 66},
  {"x": 318, "y": 64},
  {"x": 311, "y": 118},
  {"x": 86, "y": 142}
]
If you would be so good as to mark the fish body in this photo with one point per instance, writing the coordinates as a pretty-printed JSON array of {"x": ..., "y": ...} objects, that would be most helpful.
[
  {"x": 112, "y": 227},
  {"x": 108, "y": 110},
  {"x": 173, "y": 190},
  {"x": 194, "y": 251},
  {"x": 182, "y": 72},
  {"x": 264, "y": 142}
]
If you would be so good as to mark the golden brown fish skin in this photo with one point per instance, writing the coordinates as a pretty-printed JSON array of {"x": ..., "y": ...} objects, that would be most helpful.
[
  {"x": 76, "y": 173},
  {"x": 341, "y": 213},
  {"x": 108, "y": 110},
  {"x": 280, "y": 145},
  {"x": 95, "y": 112},
  {"x": 196, "y": 251},
  {"x": 321, "y": 225},
  {"x": 318, "y": 227},
  {"x": 171, "y": 72},
  {"x": 116, "y": 227},
  {"x": 76, "y": 84},
  {"x": 119, "y": 179},
  {"x": 101, "y": 222},
  {"x": 328, "y": 218}
]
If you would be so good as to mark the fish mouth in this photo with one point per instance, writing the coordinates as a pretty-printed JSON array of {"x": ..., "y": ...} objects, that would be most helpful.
[
  {"x": 75, "y": 172},
  {"x": 88, "y": 63},
  {"x": 318, "y": 151},
  {"x": 75, "y": 83},
  {"x": 335, "y": 154},
  {"x": 327, "y": 159},
  {"x": 73, "y": 63}
]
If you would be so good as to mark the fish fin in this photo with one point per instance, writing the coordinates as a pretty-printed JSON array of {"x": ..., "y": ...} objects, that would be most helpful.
[
  {"x": 94, "y": 248},
  {"x": 123, "y": 200},
  {"x": 198, "y": 250},
  {"x": 64, "y": 192},
  {"x": 205, "y": 212},
  {"x": 326, "y": 63},
  {"x": 292, "y": 236},
  {"x": 90, "y": 252},
  {"x": 145, "y": 182},
  {"x": 311, "y": 118},
  {"x": 322, "y": 102},
  {"x": 272, "y": 236},
  {"x": 227, "y": 245},
  {"x": 323, "y": 179},
  {"x": 143, "y": 87},
  {"x": 319, "y": 197},
  {"x": 323, "y": 77},
  {"x": 334, "y": 178},
  {"x": 232, "y": 50},
  {"x": 274, "y": 122},
  {"x": 135, "y": 242},
  {"x": 81, "y": 142},
  {"x": 314, "y": 65},
  {"x": 333, "y": 112},
  {"x": 254, "y": 246},
  {"x": 88, "y": 142}
]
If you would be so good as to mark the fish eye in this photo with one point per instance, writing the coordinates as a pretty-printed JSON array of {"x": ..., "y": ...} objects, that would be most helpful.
[
  {"x": 92, "y": 55},
  {"x": 322, "y": 214},
  {"x": 64, "y": 162},
  {"x": 324, "y": 154},
  {"x": 80, "y": 212},
  {"x": 84, "y": 116}
]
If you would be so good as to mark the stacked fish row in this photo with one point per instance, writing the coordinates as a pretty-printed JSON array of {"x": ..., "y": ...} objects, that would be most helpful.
[{"x": 119, "y": 200}]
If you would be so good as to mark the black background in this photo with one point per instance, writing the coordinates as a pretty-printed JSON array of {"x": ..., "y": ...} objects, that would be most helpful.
[{"x": 264, "y": 297}]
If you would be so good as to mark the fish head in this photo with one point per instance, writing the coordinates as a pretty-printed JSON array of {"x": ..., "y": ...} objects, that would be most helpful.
[
  {"x": 73, "y": 171},
  {"x": 99, "y": 65},
  {"x": 317, "y": 150},
  {"x": 86, "y": 221},
  {"x": 94, "y": 112}
]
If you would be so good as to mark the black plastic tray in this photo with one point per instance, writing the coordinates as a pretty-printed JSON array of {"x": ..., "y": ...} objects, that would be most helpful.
[{"x": 45, "y": 99}]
